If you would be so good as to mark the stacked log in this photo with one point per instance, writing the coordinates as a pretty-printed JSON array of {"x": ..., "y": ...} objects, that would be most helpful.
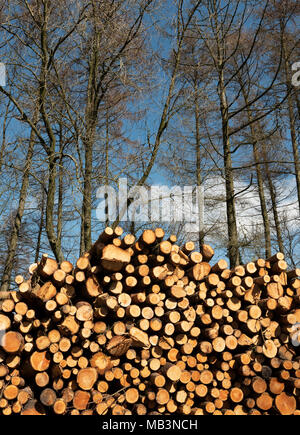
[{"x": 150, "y": 327}]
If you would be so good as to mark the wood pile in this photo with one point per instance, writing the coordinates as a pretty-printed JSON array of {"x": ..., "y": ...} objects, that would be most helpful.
[{"x": 148, "y": 327}]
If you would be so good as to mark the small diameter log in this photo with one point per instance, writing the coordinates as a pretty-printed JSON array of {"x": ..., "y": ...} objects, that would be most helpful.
[
  {"x": 67, "y": 267},
  {"x": 132, "y": 395},
  {"x": 48, "y": 397},
  {"x": 236, "y": 395},
  {"x": 162, "y": 397},
  {"x": 84, "y": 311},
  {"x": 59, "y": 407},
  {"x": 42, "y": 379},
  {"x": 59, "y": 277},
  {"x": 207, "y": 252}
]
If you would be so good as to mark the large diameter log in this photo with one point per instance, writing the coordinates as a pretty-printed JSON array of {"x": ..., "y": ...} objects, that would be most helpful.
[
  {"x": 40, "y": 361},
  {"x": 275, "y": 290},
  {"x": 48, "y": 397},
  {"x": 47, "y": 266},
  {"x": 276, "y": 387},
  {"x": 285, "y": 404},
  {"x": 5, "y": 323},
  {"x": 84, "y": 311},
  {"x": 199, "y": 271},
  {"x": 172, "y": 372},
  {"x": 46, "y": 292},
  {"x": 236, "y": 395},
  {"x": 207, "y": 252},
  {"x": 148, "y": 237},
  {"x": 114, "y": 258},
  {"x": 86, "y": 378},
  {"x": 67, "y": 267},
  {"x": 81, "y": 400},
  {"x": 119, "y": 345},
  {"x": 162, "y": 396},
  {"x": 12, "y": 342},
  {"x": 101, "y": 362},
  {"x": 11, "y": 392},
  {"x": 132, "y": 395},
  {"x": 92, "y": 286},
  {"x": 140, "y": 337},
  {"x": 269, "y": 349},
  {"x": 33, "y": 407},
  {"x": 70, "y": 325}
]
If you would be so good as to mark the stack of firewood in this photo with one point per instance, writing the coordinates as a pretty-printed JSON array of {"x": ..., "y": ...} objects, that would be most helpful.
[{"x": 150, "y": 327}]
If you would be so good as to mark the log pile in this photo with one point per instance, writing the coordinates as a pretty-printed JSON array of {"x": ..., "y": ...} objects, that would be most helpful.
[{"x": 150, "y": 327}]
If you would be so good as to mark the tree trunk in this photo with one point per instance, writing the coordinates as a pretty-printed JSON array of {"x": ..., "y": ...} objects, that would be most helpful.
[
  {"x": 14, "y": 237},
  {"x": 41, "y": 226},
  {"x": 3, "y": 143},
  {"x": 275, "y": 212},
  {"x": 274, "y": 202},
  {"x": 87, "y": 193},
  {"x": 60, "y": 195},
  {"x": 52, "y": 237},
  {"x": 260, "y": 183},
  {"x": 91, "y": 116},
  {"x": 262, "y": 198},
  {"x": 52, "y": 170},
  {"x": 233, "y": 242},
  {"x": 198, "y": 160},
  {"x": 106, "y": 170}
]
